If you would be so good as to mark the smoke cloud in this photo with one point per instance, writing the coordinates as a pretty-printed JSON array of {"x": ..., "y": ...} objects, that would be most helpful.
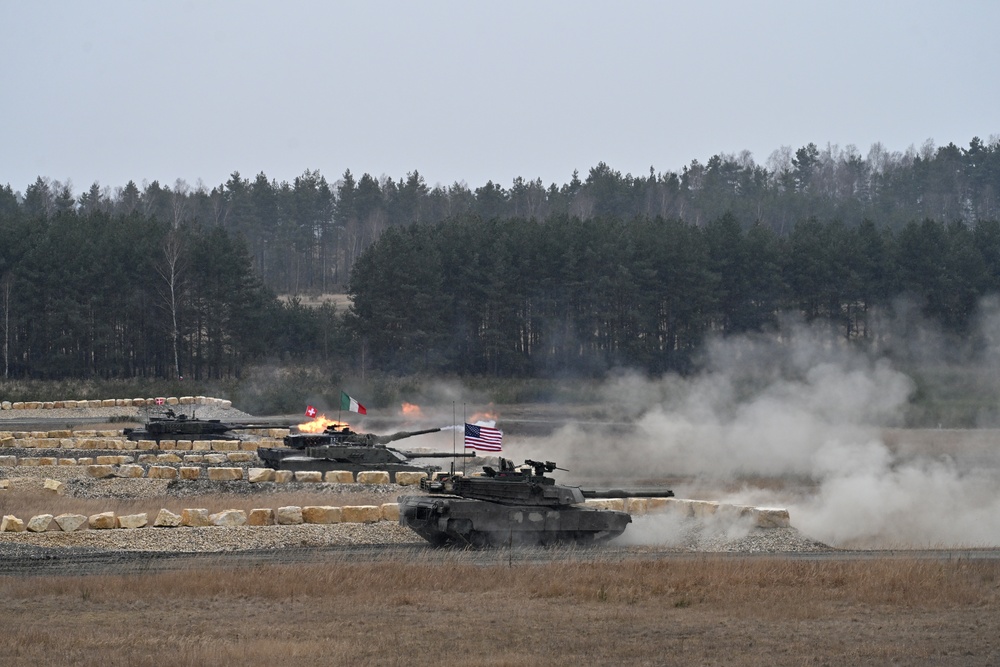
[{"x": 804, "y": 421}]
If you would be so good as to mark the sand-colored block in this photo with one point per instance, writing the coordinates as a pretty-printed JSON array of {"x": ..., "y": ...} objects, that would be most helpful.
[
  {"x": 288, "y": 516},
  {"x": 361, "y": 513},
  {"x": 100, "y": 471},
  {"x": 308, "y": 476},
  {"x": 225, "y": 445},
  {"x": 229, "y": 518},
  {"x": 132, "y": 521},
  {"x": 11, "y": 524},
  {"x": 373, "y": 477},
  {"x": 261, "y": 516},
  {"x": 131, "y": 471},
  {"x": 241, "y": 457},
  {"x": 167, "y": 519},
  {"x": 195, "y": 517},
  {"x": 390, "y": 511},
  {"x": 102, "y": 521},
  {"x": 55, "y": 487},
  {"x": 40, "y": 523},
  {"x": 70, "y": 522},
  {"x": 162, "y": 472},
  {"x": 187, "y": 472},
  {"x": 255, "y": 475},
  {"x": 283, "y": 476},
  {"x": 324, "y": 514},
  {"x": 225, "y": 474},
  {"x": 339, "y": 476},
  {"x": 409, "y": 477}
]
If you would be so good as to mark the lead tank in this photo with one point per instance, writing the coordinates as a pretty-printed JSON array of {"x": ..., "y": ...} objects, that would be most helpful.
[
  {"x": 340, "y": 448},
  {"x": 514, "y": 505}
]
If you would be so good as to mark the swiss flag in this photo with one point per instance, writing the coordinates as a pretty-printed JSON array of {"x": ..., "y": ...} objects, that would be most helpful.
[{"x": 310, "y": 411}]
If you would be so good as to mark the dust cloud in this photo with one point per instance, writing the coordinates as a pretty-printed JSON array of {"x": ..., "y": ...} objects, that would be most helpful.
[{"x": 797, "y": 420}]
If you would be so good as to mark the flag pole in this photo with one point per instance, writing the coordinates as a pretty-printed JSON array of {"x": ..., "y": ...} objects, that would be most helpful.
[
  {"x": 464, "y": 460},
  {"x": 340, "y": 407}
]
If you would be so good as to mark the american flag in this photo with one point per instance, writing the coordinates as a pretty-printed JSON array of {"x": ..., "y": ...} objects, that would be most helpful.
[{"x": 483, "y": 438}]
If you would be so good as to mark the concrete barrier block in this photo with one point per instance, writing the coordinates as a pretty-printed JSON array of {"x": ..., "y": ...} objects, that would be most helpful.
[
  {"x": 339, "y": 476},
  {"x": 195, "y": 517},
  {"x": 390, "y": 511},
  {"x": 168, "y": 457},
  {"x": 100, "y": 471},
  {"x": 261, "y": 516},
  {"x": 182, "y": 445},
  {"x": 373, "y": 477},
  {"x": 85, "y": 461},
  {"x": 225, "y": 445},
  {"x": 215, "y": 459},
  {"x": 321, "y": 514},
  {"x": 201, "y": 445},
  {"x": 225, "y": 474},
  {"x": 283, "y": 476},
  {"x": 65, "y": 433},
  {"x": 409, "y": 477},
  {"x": 361, "y": 513},
  {"x": 70, "y": 522},
  {"x": 67, "y": 462},
  {"x": 189, "y": 472},
  {"x": 255, "y": 475},
  {"x": 308, "y": 476},
  {"x": 132, "y": 521},
  {"x": 31, "y": 461},
  {"x": 8, "y": 461},
  {"x": 288, "y": 516},
  {"x": 162, "y": 472},
  {"x": 47, "y": 460},
  {"x": 241, "y": 457},
  {"x": 131, "y": 471}
]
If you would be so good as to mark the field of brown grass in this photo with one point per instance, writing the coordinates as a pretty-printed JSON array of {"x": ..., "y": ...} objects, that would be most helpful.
[{"x": 698, "y": 611}]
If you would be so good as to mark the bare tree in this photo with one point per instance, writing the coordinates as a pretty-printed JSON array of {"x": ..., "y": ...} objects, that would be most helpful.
[{"x": 171, "y": 270}]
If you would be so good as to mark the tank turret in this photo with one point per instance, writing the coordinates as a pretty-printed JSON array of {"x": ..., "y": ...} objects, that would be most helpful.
[
  {"x": 513, "y": 505},
  {"x": 340, "y": 448}
]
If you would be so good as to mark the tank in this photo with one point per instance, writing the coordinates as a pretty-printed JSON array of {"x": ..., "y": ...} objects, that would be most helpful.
[
  {"x": 172, "y": 426},
  {"x": 514, "y": 505},
  {"x": 340, "y": 448}
]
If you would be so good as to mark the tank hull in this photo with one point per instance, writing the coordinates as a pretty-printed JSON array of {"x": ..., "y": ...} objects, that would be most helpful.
[
  {"x": 452, "y": 520},
  {"x": 290, "y": 459}
]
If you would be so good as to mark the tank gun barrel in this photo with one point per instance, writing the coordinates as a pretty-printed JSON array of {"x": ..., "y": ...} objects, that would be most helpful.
[
  {"x": 644, "y": 492},
  {"x": 392, "y": 437},
  {"x": 438, "y": 455}
]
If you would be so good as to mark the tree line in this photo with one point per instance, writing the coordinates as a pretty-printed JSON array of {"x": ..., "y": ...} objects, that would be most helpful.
[
  {"x": 304, "y": 236},
  {"x": 568, "y": 295}
]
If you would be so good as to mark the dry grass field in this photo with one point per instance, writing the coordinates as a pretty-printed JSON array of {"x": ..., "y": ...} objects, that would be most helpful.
[{"x": 692, "y": 611}]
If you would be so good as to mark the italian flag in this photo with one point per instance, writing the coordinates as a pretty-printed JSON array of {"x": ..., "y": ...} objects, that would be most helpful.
[{"x": 348, "y": 403}]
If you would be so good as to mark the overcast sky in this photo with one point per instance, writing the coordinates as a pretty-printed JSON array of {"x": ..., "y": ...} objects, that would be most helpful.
[{"x": 473, "y": 91}]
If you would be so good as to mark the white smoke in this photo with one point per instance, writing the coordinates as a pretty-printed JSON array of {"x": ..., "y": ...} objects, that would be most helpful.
[{"x": 808, "y": 414}]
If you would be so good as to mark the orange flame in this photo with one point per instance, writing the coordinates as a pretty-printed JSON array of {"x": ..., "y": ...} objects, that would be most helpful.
[
  {"x": 319, "y": 425},
  {"x": 411, "y": 410},
  {"x": 482, "y": 417}
]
